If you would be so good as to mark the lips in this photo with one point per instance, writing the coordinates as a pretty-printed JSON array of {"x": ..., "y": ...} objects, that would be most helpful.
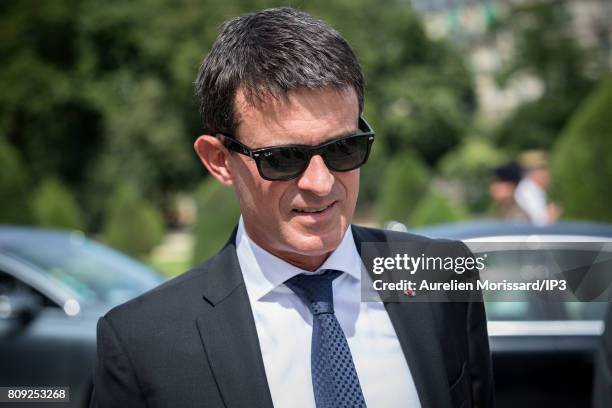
[{"x": 313, "y": 210}]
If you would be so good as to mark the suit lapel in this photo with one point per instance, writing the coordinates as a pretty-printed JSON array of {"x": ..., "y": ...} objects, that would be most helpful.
[
  {"x": 415, "y": 326},
  {"x": 229, "y": 336},
  {"x": 228, "y": 332}
]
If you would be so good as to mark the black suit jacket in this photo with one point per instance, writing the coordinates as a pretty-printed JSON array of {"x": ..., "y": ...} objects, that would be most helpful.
[{"x": 192, "y": 342}]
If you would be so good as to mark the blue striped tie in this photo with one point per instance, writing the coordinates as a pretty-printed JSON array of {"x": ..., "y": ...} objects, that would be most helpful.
[{"x": 334, "y": 379}]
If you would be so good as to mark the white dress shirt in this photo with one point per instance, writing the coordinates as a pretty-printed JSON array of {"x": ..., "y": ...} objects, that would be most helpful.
[
  {"x": 284, "y": 328},
  {"x": 532, "y": 199}
]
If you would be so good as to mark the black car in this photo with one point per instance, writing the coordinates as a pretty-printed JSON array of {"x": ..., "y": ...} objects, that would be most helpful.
[
  {"x": 54, "y": 285},
  {"x": 542, "y": 351}
]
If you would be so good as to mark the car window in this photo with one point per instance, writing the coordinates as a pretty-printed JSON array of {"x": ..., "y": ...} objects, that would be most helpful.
[
  {"x": 528, "y": 311},
  {"x": 95, "y": 272},
  {"x": 9, "y": 285},
  {"x": 519, "y": 306}
]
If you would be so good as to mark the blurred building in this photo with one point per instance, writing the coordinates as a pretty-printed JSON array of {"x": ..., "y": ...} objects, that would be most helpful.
[{"x": 470, "y": 23}]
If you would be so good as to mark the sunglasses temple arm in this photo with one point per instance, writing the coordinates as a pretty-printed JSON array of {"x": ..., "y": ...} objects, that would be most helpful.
[
  {"x": 366, "y": 125},
  {"x": 238, "y": 147}
]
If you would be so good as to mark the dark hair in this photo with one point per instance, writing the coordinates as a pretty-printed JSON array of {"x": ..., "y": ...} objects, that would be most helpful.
[
  {"x": 509, "y": 172},
  {"x": 268, "y": 54}
]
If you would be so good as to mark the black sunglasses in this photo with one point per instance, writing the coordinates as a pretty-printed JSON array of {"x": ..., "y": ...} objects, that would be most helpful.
[{"x": 289, "y": 161}]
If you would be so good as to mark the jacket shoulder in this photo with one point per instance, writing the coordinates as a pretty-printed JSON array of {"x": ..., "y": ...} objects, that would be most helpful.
[
  {"x": 170, "y": 298},
  {"x": 433, "y": 245},
  {"x": 366, "y": 234}
]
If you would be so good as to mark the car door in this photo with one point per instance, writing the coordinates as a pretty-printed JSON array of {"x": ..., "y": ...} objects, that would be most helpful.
[{"x": 40, "y": 344}]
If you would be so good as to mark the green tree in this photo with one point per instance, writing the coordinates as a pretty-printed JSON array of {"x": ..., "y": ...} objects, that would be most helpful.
[
  {"x": 420, "y": 94},
  {"x": 132, "y": 224},
  {"x": 77, "y": 75},
  {"x": 436, "y": 208},
  {"x": 546, "y": 48},
  {"x": 218, "y": 213},
  {"x": 581, "y": 165},
  {"x": 93, "y": 93},
  {"x": 370, "y": 176},
  {"x": 43, "y": 111},
  {"x": 53, "y": 205},
  {"x": 406, "y": 181},
  {"x": 471, "y": 164},
  {"x": 145, "y": 145},
  {"x": 13, "y": 182}
]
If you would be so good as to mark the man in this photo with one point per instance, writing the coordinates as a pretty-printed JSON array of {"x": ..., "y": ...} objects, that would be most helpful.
[
  {"x": 275, "y": 318},
  {"x": 530, "y": 194},
  {"x": 502, "y": 187}
]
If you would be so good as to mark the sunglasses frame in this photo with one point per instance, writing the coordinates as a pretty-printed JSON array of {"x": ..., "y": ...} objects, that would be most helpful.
[{"x": 258, "y": 154}]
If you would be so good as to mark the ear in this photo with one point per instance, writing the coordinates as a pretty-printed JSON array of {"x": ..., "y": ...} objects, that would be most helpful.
[{"x": 215, "y": 158}]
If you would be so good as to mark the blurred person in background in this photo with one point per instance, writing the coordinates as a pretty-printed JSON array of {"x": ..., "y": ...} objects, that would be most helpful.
[
  {"x": 502, "y": 188},
  {"x": 531, "y": 192},
  {"x": 260, "y": 324}
]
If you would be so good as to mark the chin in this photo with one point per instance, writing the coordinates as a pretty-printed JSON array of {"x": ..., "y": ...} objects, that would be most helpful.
[{"x": 316, "y": 244}]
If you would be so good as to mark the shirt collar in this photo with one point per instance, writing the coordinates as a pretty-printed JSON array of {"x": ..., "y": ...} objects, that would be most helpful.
[{"x": 264, "y": 272}]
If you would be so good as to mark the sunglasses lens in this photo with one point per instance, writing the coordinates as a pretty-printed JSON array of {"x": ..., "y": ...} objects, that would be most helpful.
[
  {"x": 347, "y": 154},
  {"x": 283, "y": 163}
]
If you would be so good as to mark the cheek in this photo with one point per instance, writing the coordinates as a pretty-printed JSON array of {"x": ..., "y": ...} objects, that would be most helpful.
[
  {"x": 247, "y": 184},
  {"x": 350, "y": 183},
  {"x": 258, "y": 197}
]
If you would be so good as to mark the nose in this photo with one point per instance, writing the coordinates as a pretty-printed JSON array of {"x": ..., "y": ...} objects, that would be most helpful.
[{"x": 316, "y": 178}]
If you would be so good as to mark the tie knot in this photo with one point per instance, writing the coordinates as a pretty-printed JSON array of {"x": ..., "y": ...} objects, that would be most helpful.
[{"x": 315, "y": 290}]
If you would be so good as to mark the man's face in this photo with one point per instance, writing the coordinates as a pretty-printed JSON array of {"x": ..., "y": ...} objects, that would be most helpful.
[
  {"x": 541, "y": 176},
  {"x": 502, "y": 192},
  {"x": 274, "y": 212}
]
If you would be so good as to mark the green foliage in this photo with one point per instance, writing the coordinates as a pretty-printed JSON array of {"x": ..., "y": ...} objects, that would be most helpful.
[
  {"x": 132, "y": 225},
  {"x": 44, "y": 112},
  {"x": 536, "y": 124},
  {"x": 436, "y": 208},
  {"x": 471, "y": 165},
  {"x": 53, "y": 205},
  {"x": 13, "y": 183},
  {"x": 426, "y": 119},
  {"x": 405, "y": 181},
  {"x": 369, "y": 188},
  {"x": 420, "y": 94},
  {"x": 581, "y": 165},
  {"x": 145, "y": 145},
  {"x": 218, "y": 213},
  {"x": 546, "y": 48},
  {"x": 96, "y": 92}
]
